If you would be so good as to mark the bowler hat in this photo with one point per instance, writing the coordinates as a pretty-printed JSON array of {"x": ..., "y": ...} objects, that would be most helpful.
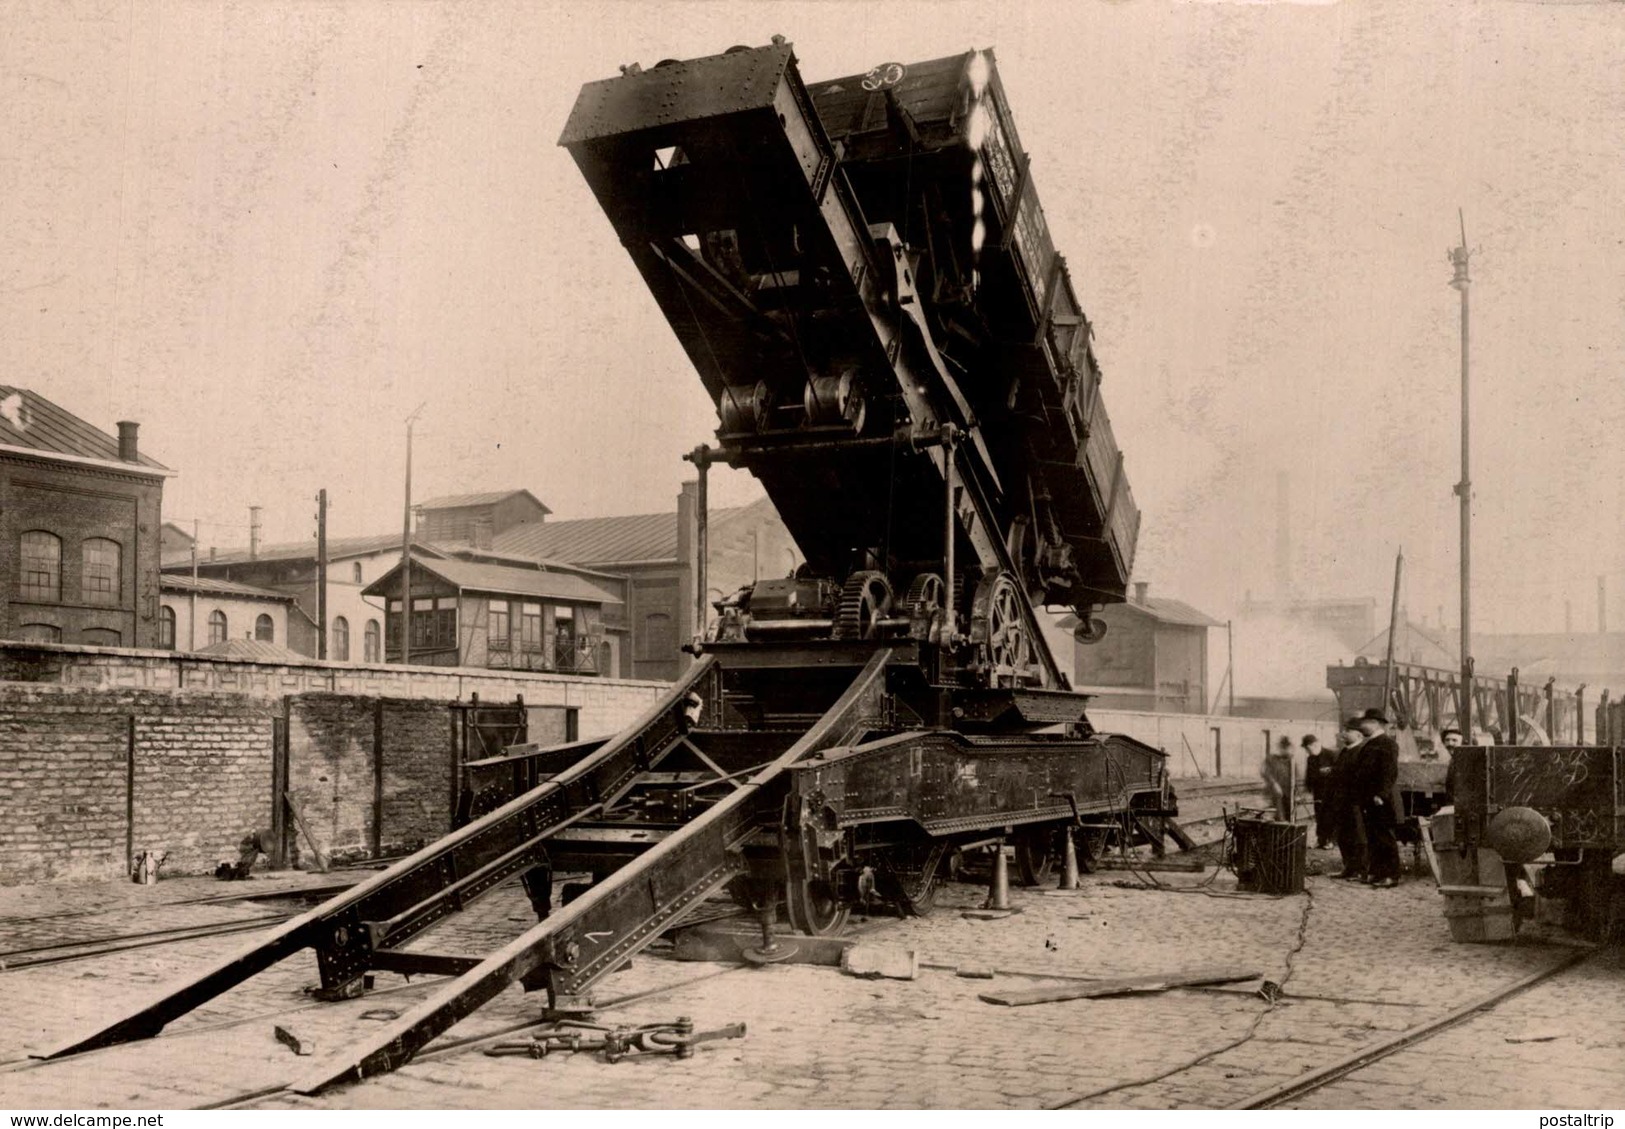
[
  {"x": 1309, "y": 739},
  {"x": 1352, "y": 723},
  {"x": 1447, "y": 731},
  {"x": 1374, "y": 714}
]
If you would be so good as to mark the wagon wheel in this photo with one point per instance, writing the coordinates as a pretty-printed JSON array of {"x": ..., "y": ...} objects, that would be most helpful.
[
  {"x": 910, "y": 878},
  {"x": 1092, "y": 842},
  {"x": 812, "y": 909},
  {"x": 1037, "y": 848},
  {"x": 1000, "y": 629}
]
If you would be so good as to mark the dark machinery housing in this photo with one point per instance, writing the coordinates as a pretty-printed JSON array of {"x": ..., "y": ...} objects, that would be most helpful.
[{"x": 863, "y": 279}]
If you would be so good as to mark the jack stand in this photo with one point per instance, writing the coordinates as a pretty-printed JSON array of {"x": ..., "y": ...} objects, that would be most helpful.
[
  {"x": 1069, "y": 862},
  {"x": 998, "y": 891},
  {"x": 773, "y": 949}
]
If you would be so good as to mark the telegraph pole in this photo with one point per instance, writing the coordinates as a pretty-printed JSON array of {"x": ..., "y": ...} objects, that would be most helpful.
[
  {"x": 191, "y": 627},
  {"x": 406, "y": 547},
  {"x": 321, "y": 574},
  {"x": 1464, "y": 490}
]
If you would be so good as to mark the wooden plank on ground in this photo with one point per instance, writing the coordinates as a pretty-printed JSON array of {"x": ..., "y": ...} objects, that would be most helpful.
[{"x": 1133, "y": 985}]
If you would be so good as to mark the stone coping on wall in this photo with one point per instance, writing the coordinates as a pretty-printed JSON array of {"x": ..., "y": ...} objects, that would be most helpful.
[{"x": 128, "y": 667}]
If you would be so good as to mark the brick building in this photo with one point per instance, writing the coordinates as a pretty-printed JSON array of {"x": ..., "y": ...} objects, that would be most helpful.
[{"x": 80, "y": 513}]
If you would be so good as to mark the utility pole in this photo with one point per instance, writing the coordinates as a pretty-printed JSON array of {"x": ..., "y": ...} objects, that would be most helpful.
[
  {"x": 191, "y": 626},
  {"x": 321, "y": 574},
  {"x": 1464, "y": 490},
  {"x": 1388, "y": 673},
  {"x": 406, "y": 547}
]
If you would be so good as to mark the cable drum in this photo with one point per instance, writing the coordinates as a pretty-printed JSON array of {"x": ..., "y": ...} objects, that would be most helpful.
[{"x": 835, "y": 400}]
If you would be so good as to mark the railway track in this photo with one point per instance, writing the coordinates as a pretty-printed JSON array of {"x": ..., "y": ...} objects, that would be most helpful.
[{"x": 1280, "y": 1095}]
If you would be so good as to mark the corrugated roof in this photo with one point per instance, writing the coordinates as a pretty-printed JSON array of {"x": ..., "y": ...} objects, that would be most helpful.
[
  {"x": 28, "y": 419},
  {"x": 502, "y": 580},
  {"x": 489, "y": 498},
  {"x": 253, "y": 650},
  {"x": 338, "y": 548},
  {"x": 596, "y": 540},
  {"x": 603, "y": 540},
  {"x": 183, "y": 582}
]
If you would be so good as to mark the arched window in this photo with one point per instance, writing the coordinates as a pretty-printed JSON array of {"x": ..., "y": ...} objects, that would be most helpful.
[
  {"x": 39, "y": 633},
  {"x": 40, "y": 577},
  {"x": 371, "y": 652},
  {"x": 166, "y": 627},
  {"x": 99, "y": 577},
  {"x": 340, "y": 650},
  {"x": 101, "y": 637},
  {"x": 355, "y": 571},
  {"x": 265, "y": 629},
  {"x": 217, "y": 626}
]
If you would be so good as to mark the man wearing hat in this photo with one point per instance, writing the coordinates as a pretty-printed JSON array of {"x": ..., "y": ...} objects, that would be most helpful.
[
  {"x": 1319, "y": 764},
  {"x": 1450, "y": 738},
  {"x": 1378, "y": 773},
  {"x": 1348, "y": 826}
]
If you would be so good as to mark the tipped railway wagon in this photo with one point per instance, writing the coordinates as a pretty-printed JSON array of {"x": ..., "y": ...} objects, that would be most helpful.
[{"x": 861, "y": 273}]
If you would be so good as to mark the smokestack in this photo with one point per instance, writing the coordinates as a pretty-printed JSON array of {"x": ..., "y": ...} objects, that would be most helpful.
[
  {"x": 482, "y": 532},
  {"x": 1602, "y": 605},
  {"x": 126, "y": 441},
  {"x": 1568, "y": 617},
  {"x": 254, "y": 532},
  {"x": 1283, "y": 532},
  {"x": 1141, "y": 587}
]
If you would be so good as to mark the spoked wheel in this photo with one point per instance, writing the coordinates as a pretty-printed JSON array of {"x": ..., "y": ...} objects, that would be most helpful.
[
  {"x": 910, "y": 878},
  {"x": 813, "y": 910},
  {"x": 1000, "y": 629},
  {"x": 1037, "y": 850},
  {"x": 1092, "y": 843}
]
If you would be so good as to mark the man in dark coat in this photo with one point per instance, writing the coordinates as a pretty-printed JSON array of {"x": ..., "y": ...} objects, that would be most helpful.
[
  {"x": 1348, "y": 825},
  {"x": 1377, "y": 776},
  {"x": 1319, "y": 764}
]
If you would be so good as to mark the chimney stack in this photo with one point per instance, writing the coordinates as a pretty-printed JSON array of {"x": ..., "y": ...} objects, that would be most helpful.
[
  {"x": 1141, "y": 587},
  {"x": 1602, "y": 605},
  {"x": 482, "y": 532},
  {"x": 254, "y": 532},
  {"x": 126, "y": 441}
]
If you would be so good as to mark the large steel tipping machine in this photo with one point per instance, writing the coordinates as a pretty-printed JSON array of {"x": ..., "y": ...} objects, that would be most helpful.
[{"x": 862, "y": 276}]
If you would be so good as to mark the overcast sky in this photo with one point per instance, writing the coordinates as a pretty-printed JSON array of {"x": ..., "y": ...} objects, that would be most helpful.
[{"x": 269, "y": 229}]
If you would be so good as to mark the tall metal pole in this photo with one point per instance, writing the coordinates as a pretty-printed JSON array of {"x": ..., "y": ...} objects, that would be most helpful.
[
  {"x": 406, "y": 548},
  {"x": 321, "y": 573},
  {"x": 191, "y": 628},
  {"x": 701, "y": 458},
  {"x": 1393, "y": 630},
  {"x": 1464, "y": 489}
]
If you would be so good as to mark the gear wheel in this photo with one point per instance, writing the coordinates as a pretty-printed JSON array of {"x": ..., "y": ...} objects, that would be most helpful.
[{"x": 865, "y": 598}]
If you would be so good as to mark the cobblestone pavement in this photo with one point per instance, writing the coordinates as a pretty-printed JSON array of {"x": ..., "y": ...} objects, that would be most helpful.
[{"x": 1358, "y": 966}]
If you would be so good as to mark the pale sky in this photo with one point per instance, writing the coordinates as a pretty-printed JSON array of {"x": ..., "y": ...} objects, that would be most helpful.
[{"x": 269, "y": 229}]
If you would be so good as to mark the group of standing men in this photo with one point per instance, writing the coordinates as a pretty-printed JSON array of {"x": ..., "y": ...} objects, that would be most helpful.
[{"x": 1356, "y": 794}]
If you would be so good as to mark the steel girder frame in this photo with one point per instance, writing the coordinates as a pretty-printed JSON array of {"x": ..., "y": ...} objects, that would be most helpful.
[
  {"x": 377, "y": 915},
  {"x": 618, "y": 916}
]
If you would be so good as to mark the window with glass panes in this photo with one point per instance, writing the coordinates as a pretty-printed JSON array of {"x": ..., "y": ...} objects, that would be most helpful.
[
  {"x": 99, "y": 576},
  {"x": 497, "y": 626},
  {"x": 40, "y": 577},
  {"x": 530, "y": 628}
]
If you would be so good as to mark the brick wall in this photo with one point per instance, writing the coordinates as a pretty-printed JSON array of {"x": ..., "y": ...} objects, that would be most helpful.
[
  {"x": 605, "y": 704},
  {"x": 195, "y": 778}
]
